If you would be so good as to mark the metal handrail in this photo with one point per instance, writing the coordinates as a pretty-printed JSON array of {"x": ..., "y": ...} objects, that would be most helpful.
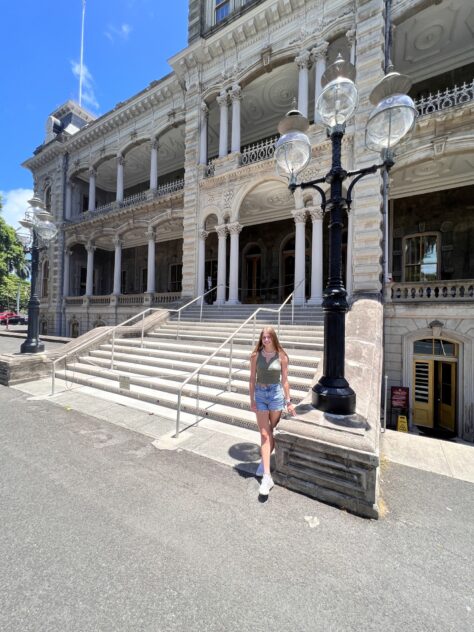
[
  {"x": 108, "y": 332},
  {"x": 229, "y": 339}
]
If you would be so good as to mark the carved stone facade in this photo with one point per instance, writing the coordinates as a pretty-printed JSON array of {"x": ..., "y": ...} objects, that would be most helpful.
[{"x": 192, "y": 156}]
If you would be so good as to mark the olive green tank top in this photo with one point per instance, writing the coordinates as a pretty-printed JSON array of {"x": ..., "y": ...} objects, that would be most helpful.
[{"x": 268, "y": 372}]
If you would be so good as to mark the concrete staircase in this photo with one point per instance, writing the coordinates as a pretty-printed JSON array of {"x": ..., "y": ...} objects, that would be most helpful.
[{"x": 153, "y": 371}]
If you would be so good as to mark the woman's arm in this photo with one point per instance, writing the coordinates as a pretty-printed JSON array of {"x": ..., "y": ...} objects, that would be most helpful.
[
  {"x": 286, "y": 385},
  {"x": 253, "y": 377}
]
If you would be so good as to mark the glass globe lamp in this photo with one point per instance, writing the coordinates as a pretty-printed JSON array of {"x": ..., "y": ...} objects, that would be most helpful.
[
  {"x": 389, "y": 122},
  {"x": 293, "y": 148},
  {"x": 337, "y": 102}
]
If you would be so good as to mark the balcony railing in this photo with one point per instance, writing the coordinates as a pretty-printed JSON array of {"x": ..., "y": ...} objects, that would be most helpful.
[
  {"x": 262, "y": 150},
  {"x": 170, "y": 187},
  {"x": 436, "y": 291},
  {"x": 131, "y": 200},
  {"x": 447, "y": 99}
]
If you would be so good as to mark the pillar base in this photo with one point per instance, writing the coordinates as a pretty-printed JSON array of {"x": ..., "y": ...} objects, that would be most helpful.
[
  {"x": 336, "y": 399},
  {"x": 299, "y": 300},
  {"x": 33, "y": 345},
  {"x": 317, "y": 301},
  {"x": 233, "y": 301}
]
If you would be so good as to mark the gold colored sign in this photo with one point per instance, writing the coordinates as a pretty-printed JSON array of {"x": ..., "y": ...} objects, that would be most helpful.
[{"x": 402, "y": 423}]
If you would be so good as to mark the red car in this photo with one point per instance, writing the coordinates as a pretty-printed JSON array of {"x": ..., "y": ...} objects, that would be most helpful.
[{"x": 12, "y": 318}]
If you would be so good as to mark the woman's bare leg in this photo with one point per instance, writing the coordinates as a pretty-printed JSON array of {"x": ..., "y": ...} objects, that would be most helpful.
[
  {"x": 275, "y": 416},
  {"x": 266, "y": 438}
]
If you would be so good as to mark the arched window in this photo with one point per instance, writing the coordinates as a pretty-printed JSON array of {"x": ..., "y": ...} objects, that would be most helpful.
[
  {"x": 45, "y": 282},
  {"x": 47, "y": 198}
]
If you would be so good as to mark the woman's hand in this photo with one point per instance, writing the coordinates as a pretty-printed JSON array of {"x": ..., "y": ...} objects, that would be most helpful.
[
  {"x": 291, "y": 409},
  {"x": 253, "y": 405}
]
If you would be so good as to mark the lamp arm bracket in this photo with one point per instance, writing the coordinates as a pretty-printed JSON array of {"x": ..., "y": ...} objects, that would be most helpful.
[{"x": 358, "y": 175}]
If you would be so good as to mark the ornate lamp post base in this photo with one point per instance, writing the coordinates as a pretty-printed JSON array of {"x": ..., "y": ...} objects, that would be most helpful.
[
  {"x": 337, "y": 398},
  {"x": 32, "y": 345}
]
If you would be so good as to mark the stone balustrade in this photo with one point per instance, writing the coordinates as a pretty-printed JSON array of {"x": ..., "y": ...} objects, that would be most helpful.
[{"x": 436, "y": 291}]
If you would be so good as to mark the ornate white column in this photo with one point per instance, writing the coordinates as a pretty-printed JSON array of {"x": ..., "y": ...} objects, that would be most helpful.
[
  {"x": 203, "y": 135},
  {"x": 303, "y": 62},
  {"x": 154, "y": 165},
  {"x": 92, "y": 176},
  {"x": 68, "y": 209},
  {"x": 120, "y": 166},
  {"x": 221, "y": 263},
  {"x": 234, "y": 231},
  {"x": 117, "y": 266},
  {"x": 351, "y": 38},
  {"x": 317, "y": 216},
  {"x": 319, "y": 54},
  {"x": 67, "y": 267},
  {"x": 300, "y": 255},
  {"x": 202, "y": 235},
  {"x": 223, "y": 102},
  {"x": 150, "y": 282},
  {"x": 90, "y": 269},
  {"x": 236, "y": 97}
]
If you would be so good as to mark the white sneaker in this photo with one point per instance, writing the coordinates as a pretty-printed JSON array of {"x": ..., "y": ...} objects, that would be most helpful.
[
  {"x": 266, "y": 485},
  {"x": 260, "y": 470}
]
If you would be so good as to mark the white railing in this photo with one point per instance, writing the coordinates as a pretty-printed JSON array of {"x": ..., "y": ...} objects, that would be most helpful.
[
  {"x": 433, "y": 291},
  {"x": 111, "y": 332},
  {"x": 447, "y": 99},
  {"x": 263, "y": 150},
  {"x": 99, "y": 300},
  {"x": 74, "y": 300},
  {"x": 130, "y": 299},
  {"x": 104, "y": 208},
  {"x": 166, "y": 297},
  {"x": 230, "y": 340},
  {"x": 169, "y": 187},
  {"x": 136, "y": 198}
]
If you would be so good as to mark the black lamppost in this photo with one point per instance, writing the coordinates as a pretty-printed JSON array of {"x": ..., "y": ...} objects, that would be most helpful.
[
  {"x": 42, "y": 230},
  {"x": 392, "y": 118}
]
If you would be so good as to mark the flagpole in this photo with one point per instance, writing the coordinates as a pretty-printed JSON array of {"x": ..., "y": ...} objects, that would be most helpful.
[{"x": 81, "y": 70}]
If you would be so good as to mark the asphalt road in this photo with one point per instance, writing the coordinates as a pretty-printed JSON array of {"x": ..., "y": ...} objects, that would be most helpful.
[{"x": 101, "y": 532}]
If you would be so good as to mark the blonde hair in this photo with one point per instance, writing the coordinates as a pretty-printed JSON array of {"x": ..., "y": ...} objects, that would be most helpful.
[{"x": 275, "y": 341}]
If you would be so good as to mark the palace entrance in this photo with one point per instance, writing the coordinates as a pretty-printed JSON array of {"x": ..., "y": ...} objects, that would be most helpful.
[{"x": 435, "y": 378}]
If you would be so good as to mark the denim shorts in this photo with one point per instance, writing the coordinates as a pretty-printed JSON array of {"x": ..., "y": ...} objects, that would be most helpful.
[{"x": 269, "y": 397}]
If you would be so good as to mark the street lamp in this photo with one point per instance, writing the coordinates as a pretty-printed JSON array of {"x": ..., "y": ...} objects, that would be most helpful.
[
  {"x": 391, "y": 119},
  {"x": 41, "y": 231}
]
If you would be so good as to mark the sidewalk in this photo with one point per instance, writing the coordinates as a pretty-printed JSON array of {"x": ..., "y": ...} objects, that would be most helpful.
[{"x": 233, "y": 446}]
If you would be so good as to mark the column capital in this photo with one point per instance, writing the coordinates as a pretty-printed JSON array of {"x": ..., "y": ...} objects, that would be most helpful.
[
  {"x": 120, "y": 159},
  {"x": 90, "y": 247},
  {"x": 351, "y": 35},
  {"x": 117, "y": 241},
  {"x": 151, "y": 234},
  {"x": 68, "y": 252},
  {"x": 235, "y": 228},
  {"x": 221, "y": 231},
  {"x": 223, "y": 99},
  {"x": 303, "y": 59},
  {"x": 320, "y": 51},
  {"x": 204, "y": 109},
  {"x": 316, "y": 214},
  {"x": 299, "y": 216},
  {"x": 203, "y": 234},
  {"x": 154, "y": 144},
  {"x": 235, "y": 92},
  {"x": 92, "y": 172}
]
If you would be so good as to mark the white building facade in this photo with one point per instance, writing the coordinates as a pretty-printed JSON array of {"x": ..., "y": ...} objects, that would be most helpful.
[{"x": 177, "y": 185}]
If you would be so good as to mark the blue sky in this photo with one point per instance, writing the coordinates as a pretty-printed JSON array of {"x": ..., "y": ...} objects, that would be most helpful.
[{"x": 127, "y": 43}]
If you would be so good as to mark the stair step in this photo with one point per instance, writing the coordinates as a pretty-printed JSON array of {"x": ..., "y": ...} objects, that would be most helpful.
[
  {"x": 152, "y": 358},
  {"x": 299, "y": 343},
  {"x": 205, "y": 408}
]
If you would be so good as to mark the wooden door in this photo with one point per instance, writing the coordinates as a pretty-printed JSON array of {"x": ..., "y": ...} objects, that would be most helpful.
[
  {"x": 446, "y": 390},
  {"x": 423, "y": 391}
]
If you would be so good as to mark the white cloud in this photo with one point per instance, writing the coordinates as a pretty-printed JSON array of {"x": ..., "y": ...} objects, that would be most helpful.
[
  {"x": 88, "y": 95},
  {"x": 15, "y": 203},
  {"x": 121, "y": 32}
]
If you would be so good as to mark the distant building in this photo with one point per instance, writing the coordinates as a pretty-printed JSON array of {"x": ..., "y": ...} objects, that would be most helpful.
[{"x": 177, "y": 184}]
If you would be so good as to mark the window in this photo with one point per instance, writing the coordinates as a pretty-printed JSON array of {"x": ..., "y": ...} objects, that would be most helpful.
[
  {"x": 47, "y": 198},
  {"x": 222, "y": 10},
  {"x": 420, "y": 254},
  {"x": 435, "y": 346},
  {"x": 45, "y": 284},
  {"x": 175, "y": 276}
]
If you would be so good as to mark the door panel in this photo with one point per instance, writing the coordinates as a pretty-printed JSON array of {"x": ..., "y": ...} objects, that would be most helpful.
[
  {"x": 423, "y": 393},
  {"x": 446, "y": 378}
]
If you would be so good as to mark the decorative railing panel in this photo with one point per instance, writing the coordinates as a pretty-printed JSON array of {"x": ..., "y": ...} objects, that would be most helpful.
[
  {"x": 74, "y": 300},
  {"x": 99, "y": 300},
  {"x": 131, "y": 299},
  {"x": 136, "y": 198},
  {"x": 439, "y": 291},
  {"x": 447, "y": 99},
  {"x": 263, "y": 150},
  {"x": 105, "y": 208},
  {"x": 166, "y": 297},
  {"x": 170, "y": 187},
  {"x": 211, "y": 168}
]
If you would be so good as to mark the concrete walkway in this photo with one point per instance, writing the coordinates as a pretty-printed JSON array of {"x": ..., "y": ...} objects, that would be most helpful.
[{"x": 238, "y": 447}]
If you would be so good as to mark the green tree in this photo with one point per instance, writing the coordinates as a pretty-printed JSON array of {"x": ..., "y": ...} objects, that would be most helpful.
[
  {"x": 12, "y": 256},
  {"x": 13, "y": 265},
  {"x": 9, "y": 288}
]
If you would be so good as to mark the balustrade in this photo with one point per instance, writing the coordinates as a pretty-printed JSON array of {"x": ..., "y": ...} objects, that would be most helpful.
[
  {"x": 438, "y": 291},
  {"x": 447, "y": 99},
  {"x": 166, "y": 297},
  {"x": 262, "y": 150}
]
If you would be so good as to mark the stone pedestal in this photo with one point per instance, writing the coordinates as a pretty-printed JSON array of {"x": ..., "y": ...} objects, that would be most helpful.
[{"x": 336, "y": 458}]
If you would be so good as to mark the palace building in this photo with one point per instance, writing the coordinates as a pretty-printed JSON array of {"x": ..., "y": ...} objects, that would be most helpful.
[{"x": 176, "y": 187}]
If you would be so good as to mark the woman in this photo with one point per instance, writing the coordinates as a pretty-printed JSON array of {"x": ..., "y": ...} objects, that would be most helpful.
[{"x": 269, "y": 394}]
